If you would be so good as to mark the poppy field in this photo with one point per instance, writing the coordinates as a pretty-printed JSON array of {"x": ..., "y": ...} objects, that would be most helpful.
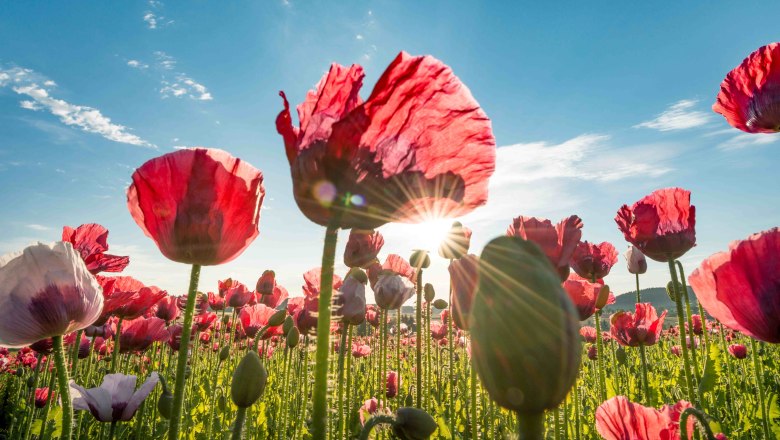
[{"x": 526, "y": 344}]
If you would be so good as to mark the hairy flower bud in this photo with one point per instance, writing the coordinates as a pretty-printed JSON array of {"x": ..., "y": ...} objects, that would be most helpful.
[
  {"x": 430, "y": 293},
  {"x": 292, "y": 337},
  {"x": 249, "y": 380},
  {"x": 413, "y": 424},
  {"x": 420, "y": 259}
]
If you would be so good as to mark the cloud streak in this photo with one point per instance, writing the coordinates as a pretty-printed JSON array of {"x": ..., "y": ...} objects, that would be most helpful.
[
  {"x": 26, "y": 82},
  {"x": 679, "y": 116}
]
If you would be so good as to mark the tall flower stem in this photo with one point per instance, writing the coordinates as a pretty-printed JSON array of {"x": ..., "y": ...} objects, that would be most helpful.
[
  {"x": 115, "y": 352},
  {"x": 418, "y": 322},
  {"x": 343, "y": 349},
  {"x": 577, "y": 424},
  {"x": 683, "y": 344},
  {"x": 638, "y": 294},
  {"x": 427, "y": 353},
  {"x": 451, "y": 365},
  {"x": 690, "y": 321},
  {"x": 181, "y": 362},
  {"x": 398, "y": 344},
  {"x": 530, "y": 426},
  {"x": 320, "y": 407},
  {"x": 643, "y": 356},
  {"x": 729, "y": 373},
  {"x": 474, "y": 427},
  {"x": 62, "y": 384},
  {"x": 757, "y": 370},
  {"x": 349, "y": 383}
]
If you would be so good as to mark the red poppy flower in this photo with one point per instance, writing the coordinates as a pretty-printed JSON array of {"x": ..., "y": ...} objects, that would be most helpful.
[
  {"x": 557, "y": 242},
  {"x": 620, "y": 419},
  {"x": 91, "y": 241},
  {"x": 464, "y": 276},
  {"x": 741, "y": 287},
  {"x": 216, "y": 302},
  {"x": 588, "y": 334},
  {"x": 392, "y": 384},
  {"x": 662, "y": 224},
  {"x": 593, "y": 261},
  {"x": 200, "y": 206},
  {"x": 138, "y": 334},
  {"x": 420, "y": 145},
  {"x": 438, "y": 331},
  {"x": 583, "y": 295},
  {"x": 360, "y": 350},
  {"x": 238, "y": 295},
  {"x": 739, "y": 351},
  {"x": 362, "y": 247},
  {"x": 42, "y": 396},
  {"x": 166, "y": 309},
  {"x": 127, "y": 298},
  {"x": 255, "y": 317},
  {"x": 204, "y": 321},
  {"x": 749, "y": 96},
  {"x": 642, "y": 328},
  {"x": 372, "y": 315}
]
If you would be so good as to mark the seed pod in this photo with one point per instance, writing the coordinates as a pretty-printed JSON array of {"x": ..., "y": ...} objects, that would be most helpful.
[
  {"x": 224, "y": 353},
  {"x": 165, "y": 402},
  {"x": 288, "y": 325},
  {"x": 277, "y": 318},
  {"x": 440, "y": 304},
  {"x": 420, "y": 259},
  {"x": 620, "y": 355},
  {"x": 413, "y": 424},
  {"x": 525, "y": 342},
  {"x": 221, "y": 402},
  {"x": 430, "y": 294},
  {"x": 249, "y": 380}
]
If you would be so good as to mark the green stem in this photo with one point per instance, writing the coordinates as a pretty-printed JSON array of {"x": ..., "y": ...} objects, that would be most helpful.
[
  {"x": 320, "y": 405},
  {"x": 36, "y": 375},
  {"x": 759, "y": 384},
  {"x": 238, "y": 426},
  {"x": 638, "y": 294},
  {"x": 645, "y": 394},
  {"x": 419, "y": 338},
  {"x": 62, "y": 383},
  {"x": 577, "y": 424},
  {"x": 349, "y": 382},
  {"x": 530, "y": 426},
  {"x": 599, "y": 347},
  {"x": 703, "y": 421},
  {"x": 115, "y": 352},
  {"x": 683, "y": 343},
  {"x": 74, "y": 354},
  {"x": 111, "y": 430},
  {"x": 181, "y": 363},
  {"x": 474, "y": 428},
  {"x": 690, "y": 322},
  {"x": 343, "y": 349}
]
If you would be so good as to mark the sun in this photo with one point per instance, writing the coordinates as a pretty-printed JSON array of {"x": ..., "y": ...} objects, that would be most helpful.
[{"x": 431, "y": 233}]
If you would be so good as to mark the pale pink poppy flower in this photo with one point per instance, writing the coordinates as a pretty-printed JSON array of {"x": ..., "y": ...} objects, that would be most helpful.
[{"x": 116, "y": 399}]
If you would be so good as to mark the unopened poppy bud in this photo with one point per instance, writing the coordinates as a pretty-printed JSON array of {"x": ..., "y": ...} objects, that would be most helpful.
[
  {"x": 420, "y": 259},
  {"x": 430, "y": 294},
  {"x": 292, "y": 337},
  {"x": 440, "y": 304},
  {"x": 525, "y": 344},
  {"x": 165, "y": 402},
  {"x": 603, "y": 297},
  {"x": 413, "y": 424},
  {"x": 221, "y": 402},
  {"x": 288, "y": 325},
  {"x": 277, "y": 318},
  {"x": 30, "y": 382},
  {"x": 224, "y": 353},
  {"x": 620, "y": 355},
  {"x": 358, "y": 274},
  {"x": 249, "y": 380}
]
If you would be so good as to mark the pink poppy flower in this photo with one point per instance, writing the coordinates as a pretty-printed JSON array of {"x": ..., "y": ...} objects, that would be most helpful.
[
  {"x": 138, "y": 334},
  {"x": 583, "y": 295},
  {"x": 116, "y": 399},
  {"x": 464, "y": 276},
  {"x": 741, "y": 287},
  {"x": 620, "y": 419},
  {"x": 46, "y": 290},
  {"x": 91, "y": 241},
  {"x": 588, "y": 334},
  {"x": 739, "y": 351},
  {"x": 362, "y": 247},
  {"x": 419, "y": 145},
  {"x": 254, "y": 318},
  {"x": 557, "y": 242},
  {"x": 642, "y": 328},
  {"x": 593, "y": 261}
]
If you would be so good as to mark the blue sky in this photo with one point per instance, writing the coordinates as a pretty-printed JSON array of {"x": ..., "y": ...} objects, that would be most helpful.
[{"x": 594, "y": 104}]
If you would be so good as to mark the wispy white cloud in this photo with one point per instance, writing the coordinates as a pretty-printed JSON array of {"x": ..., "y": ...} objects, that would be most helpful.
[
  {"x": 137, "y": 64},
  {"x": 746, "y": 140},
  {"x": 26, "y": 82},
  {"x": 165, "y": 61},
  {"x": 151, "y": 20},
  {"x": 154, "y": 20},
  {"x": 679, "y": 116},
  {"x": 185, "y": 86},
  {"x": 36, "y": 227}
]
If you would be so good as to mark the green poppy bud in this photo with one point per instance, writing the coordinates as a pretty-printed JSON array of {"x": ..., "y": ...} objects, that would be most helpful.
[
  {"x": 671, "y": 291},
  {"x": 420, "y": 259},
  {"x": 249, "y": 380},
  {"x": 288, "y": 325},
  {"x": 620, "y": 355},
  {"x": 430, "y": 294},
  {"x": 293, "y": 336},
  {"x": 277, "y": 318},
  {"x": 224, "y": 353},
  {"x": 440, "y": 304},
  {"x": 413, "y": 424},
  {"x": 221, "y": 402},
  {"x": 525, "y": 341},
  {"x": 165, "y": 404}
]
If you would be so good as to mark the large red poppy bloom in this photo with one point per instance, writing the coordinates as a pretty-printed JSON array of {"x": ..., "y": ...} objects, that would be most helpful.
[
  {"x": 127, "y": 298},
  {"x": 584, "y": 294},
  {"x": 200, "y": 206},
  {"x": 420, "y": 145},
  {"x": 593, "y": 261},
  {"x": 464, "y": 275},
  {"x": 749, "y": 96},
  {"x": 362, "y": 247},
  {"x": 620, "y": 419},
  {"x": 641, "y": 328},
  {"x": 557, "y": 242},
  {"x": 255, "y": 317},
  {"x": 662, "y": 224},
  {"x": 138, "y": 334},
  {"x": 741, "y": 287},
  {"x": 91, "y": 241}
]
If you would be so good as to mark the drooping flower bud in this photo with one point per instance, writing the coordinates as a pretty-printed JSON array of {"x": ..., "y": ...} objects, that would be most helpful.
[
  {"x": 292, "y": 337},
  {"x": 249, "y": 380},
  {"x": 165, "y": 402},
  {"x": 525, "y": 343},
  {"x": 224, "y": 353},
  {"x": 277, "y": 318},
  {"x": 288, "y": 325},
  {"x": 420, "y": 259},
  {"x": 351, "y": 298},
  {"x": 413, "y": 424},
  {"x": 457, "y": 242},
  {"x": 635, "y": 260}
]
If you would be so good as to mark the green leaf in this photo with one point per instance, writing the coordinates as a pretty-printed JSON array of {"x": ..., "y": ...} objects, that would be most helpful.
[{"x": 710, "y": 376}]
